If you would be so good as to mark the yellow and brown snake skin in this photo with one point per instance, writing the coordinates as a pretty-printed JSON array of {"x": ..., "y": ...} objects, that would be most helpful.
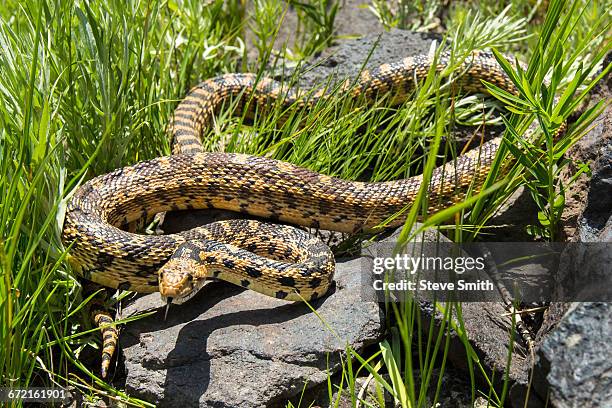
[{"x": 276, "y": 260}]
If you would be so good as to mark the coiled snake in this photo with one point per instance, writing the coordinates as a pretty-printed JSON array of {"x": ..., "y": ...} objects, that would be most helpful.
[{"x": 276, "y": 260}]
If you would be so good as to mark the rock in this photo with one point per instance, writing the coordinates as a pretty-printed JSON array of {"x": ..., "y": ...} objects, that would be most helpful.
[
  {"x": 509, "y": 221},
  {"x": 573, "y": 365},
  {"x": 588, "y": 210},
  {"x": 575, "y": 358},
  {"x": 229, "y": 347},
  {"x": 595, "y": 223},
  {"x": 584, "y": 273},
  {"x": 371, "y": 51}
]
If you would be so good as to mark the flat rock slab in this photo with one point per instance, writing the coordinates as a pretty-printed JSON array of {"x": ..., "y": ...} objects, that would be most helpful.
[
  {"x": 575, "y": 358},
  {"x": 229, "y": 347}
]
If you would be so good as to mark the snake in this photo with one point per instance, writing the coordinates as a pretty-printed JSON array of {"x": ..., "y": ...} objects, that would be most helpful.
[{"x": 274, "y": 256}]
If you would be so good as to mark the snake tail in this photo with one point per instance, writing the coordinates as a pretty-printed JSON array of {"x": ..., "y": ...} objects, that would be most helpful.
[{"x": 110, "y": 334}]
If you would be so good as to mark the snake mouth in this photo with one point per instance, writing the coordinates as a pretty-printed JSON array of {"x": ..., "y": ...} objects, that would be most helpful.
[
  {"x": 180, "y": 295},
  {"x": 180, "y": 289},
  {"x": 177, "y": 280}
]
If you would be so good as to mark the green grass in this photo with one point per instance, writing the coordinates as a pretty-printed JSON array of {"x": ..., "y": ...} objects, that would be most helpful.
[{"x": 89, "y": 86}]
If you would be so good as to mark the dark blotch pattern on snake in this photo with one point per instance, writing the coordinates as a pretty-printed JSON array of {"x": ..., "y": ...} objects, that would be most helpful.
[{"x": 279, "y": 261}]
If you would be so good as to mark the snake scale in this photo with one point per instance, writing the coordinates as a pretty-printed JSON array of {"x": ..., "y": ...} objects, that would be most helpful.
[{"x": 280, "y": 261}]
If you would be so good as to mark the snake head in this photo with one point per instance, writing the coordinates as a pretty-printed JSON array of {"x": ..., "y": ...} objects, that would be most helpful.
[{"x": 180, "y": 279}]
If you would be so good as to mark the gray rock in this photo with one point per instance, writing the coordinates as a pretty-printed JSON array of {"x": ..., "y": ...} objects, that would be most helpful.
[
  {"x": 212, "y": 343},
  {"x": 595, "y": 223},
  {"x": 591, "y": 199},
  {"x": 228, "y": 347},
  {"x": 585, "y": 272},
  {"x": 225, "y": 335},
  {"x": 371, "y": 51},
  {"x": 575, "y": 358},
  {"x": 573, "y": 362},
  {"x": 508, "y": 223}
]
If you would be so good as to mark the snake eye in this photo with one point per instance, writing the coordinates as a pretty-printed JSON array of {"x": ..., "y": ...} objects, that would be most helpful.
[{"x": 190, "y": 278}]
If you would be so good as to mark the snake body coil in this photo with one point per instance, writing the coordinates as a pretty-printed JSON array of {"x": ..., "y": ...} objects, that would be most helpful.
[{"x": 278, "y": 261}]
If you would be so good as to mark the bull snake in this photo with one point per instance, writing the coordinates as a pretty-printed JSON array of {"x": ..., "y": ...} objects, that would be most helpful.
[{"x": 276, "y": 260}]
